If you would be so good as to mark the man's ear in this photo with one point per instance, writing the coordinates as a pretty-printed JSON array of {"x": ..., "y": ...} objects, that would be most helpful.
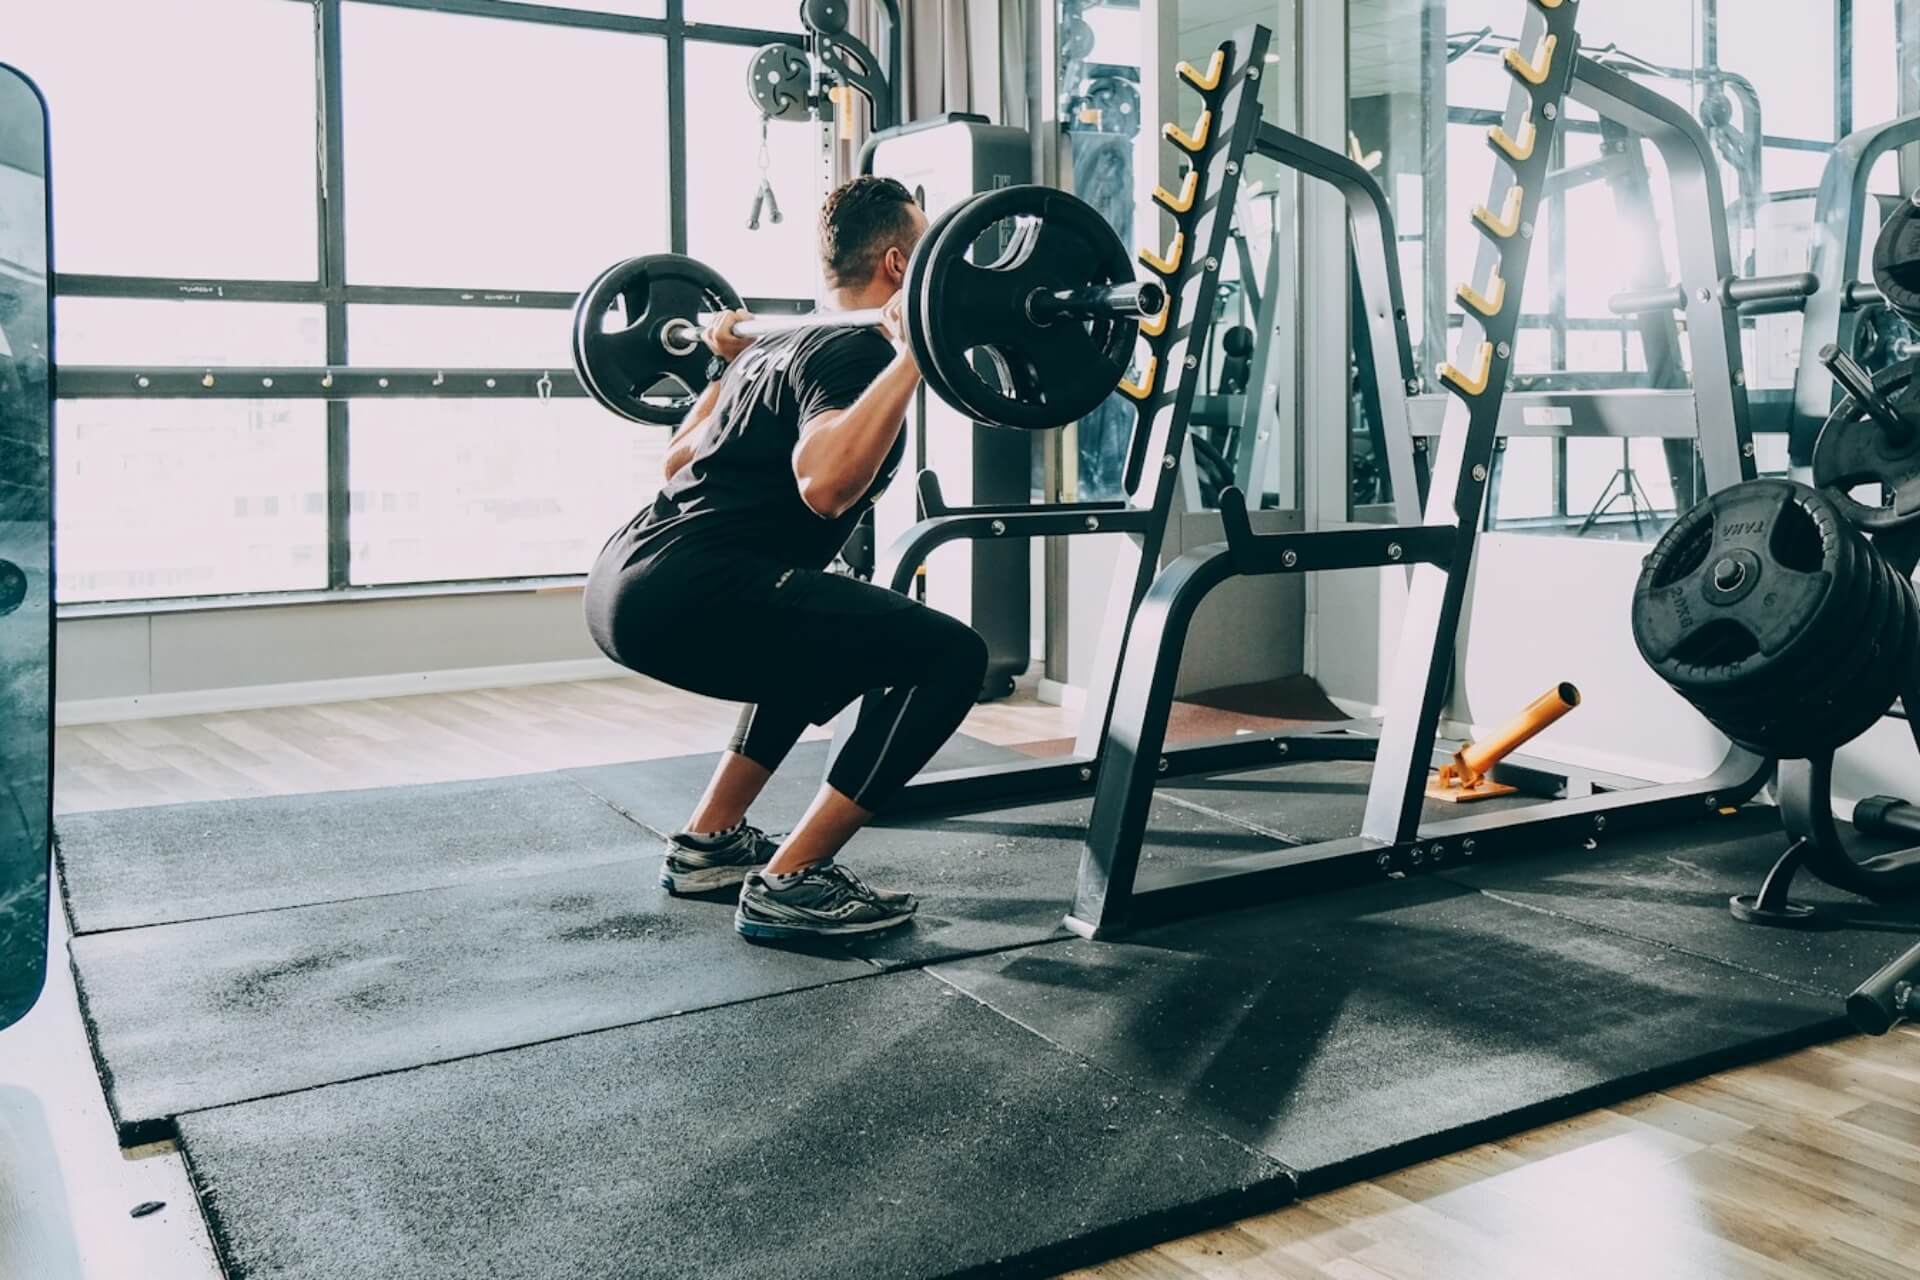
[{"x": 896, "y": 265}]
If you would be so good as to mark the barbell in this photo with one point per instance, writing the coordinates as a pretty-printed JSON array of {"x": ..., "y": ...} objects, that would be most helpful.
[{"x": 1021, "y": 311}]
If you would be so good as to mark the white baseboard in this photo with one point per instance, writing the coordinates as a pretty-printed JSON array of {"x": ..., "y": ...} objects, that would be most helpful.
[
  {"x": 1054, "y": 693},
  {"x": 191, "y": 702}
]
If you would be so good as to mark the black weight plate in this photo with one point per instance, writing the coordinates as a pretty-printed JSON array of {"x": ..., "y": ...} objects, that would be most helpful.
[
  {"x": 1852, "y": 449},
  {"x": 1896, "y": 259},
  {"x": 579, "y": 358},
  {"x": 629, "y": 368},
  {"x": 779, "y": 81},
  {"x": 1036, "y": 376},
  {"x": 1785, "y": 546},
  {"x": 1837, "y": 689},
  {"x": 1859, "y": 683},
  {"x": 915, "y": 287}
]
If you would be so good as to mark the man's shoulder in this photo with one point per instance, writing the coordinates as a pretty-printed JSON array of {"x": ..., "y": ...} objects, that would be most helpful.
[{"x": 836, "y": 344}]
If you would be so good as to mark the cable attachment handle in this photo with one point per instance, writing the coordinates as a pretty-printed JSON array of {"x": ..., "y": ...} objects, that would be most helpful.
[{"x": 764, "y": 201}]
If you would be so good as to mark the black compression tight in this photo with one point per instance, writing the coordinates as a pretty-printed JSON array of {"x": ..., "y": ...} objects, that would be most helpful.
[{"x": 800, "y": 648}]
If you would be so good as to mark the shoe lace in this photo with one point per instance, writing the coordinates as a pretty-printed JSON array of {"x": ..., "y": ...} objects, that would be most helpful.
[
  {"x": 852, "y": 883},
  {"x": 757, "y": 840}
]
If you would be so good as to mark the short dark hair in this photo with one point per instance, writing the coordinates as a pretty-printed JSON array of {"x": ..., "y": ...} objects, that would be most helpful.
[{"x": 858, "y": 224}]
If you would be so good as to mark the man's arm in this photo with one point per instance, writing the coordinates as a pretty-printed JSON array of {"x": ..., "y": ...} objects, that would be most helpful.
[
  {"x": 842, "y": 450},
  {"x": 692, "y": 429},
  {"x": 723, "y": 342}
]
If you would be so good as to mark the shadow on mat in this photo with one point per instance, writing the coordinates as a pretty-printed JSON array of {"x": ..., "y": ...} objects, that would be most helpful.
[{"x": 1393, "y": 1028}]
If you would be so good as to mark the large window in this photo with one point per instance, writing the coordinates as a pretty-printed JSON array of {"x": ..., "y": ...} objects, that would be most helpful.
[
  {"x": 1774, "y": 87},
  {"x": 377, "y": 185}
]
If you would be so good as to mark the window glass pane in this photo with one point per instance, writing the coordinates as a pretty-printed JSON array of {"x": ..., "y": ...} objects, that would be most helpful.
[
  {"x": 148, "y": 331},
  {"x": 1116, "y": 35},
  {"x": 631, "y": 8},
  {"x": 177, "y": 155},
  {"x": 1786, "y": 50},
  {"x": 494, "y": 154},
  {"x": 1661, "y": 32},
  {"x": 1791, "y": 169},
  {"x": 1525, "y": 489},
  {"x": 779, "y": 260},
  {"x": 1876, "y": 66},
  {"x": 765, "y": 15},
  {"x": 454, "y": 489},
  {"x": 163, "y": 498},
  {"x": 460, "y": 337}
]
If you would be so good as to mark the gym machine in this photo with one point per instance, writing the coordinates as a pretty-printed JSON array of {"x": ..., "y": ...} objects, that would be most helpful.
[
  {"x": 1840, "y": 310},
  {"x": 1112, "y": 893},
  {"x": 1786, "y": 614},
  {"x": 1162, "y": 401},
  {"x": 814, "y": 79},
  {"x": 944, "y": 161}
]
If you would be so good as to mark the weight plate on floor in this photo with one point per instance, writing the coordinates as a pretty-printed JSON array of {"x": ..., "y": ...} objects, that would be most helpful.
[
  {"x": 1002, "y": 366},
  {"x": 1853, "y": 450},
  {"x": 619, "y": 324},
  {"x": 1738, "y": 586},
  {"x": 779, "y": 81}
]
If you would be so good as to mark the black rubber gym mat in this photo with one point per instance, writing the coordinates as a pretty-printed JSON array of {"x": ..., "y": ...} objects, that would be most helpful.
[
  {"x": 661, "y": 793},
  {"x": 208, "y": 1012},
  {"x": 992, "y": 880},
  {"x": 889, "y": 1128},
  {"x": 128, "y": 867},
  {"x": 1312, "y": 801},
  {"x": 1672, "y": 887},
  {"x": 1354, "y": 1032}
]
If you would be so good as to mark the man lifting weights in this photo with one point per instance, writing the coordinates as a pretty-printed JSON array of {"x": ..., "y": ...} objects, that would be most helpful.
[{"x": 718, "y": 587}]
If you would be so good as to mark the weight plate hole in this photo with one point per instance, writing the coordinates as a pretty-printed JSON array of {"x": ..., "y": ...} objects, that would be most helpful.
[
  {"x": 1796, "y": 542},
  {"x": 1721, "y": 643}
]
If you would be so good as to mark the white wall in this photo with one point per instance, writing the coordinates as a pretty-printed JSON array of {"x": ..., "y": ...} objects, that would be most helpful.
[{"x": 225, "y": 658}]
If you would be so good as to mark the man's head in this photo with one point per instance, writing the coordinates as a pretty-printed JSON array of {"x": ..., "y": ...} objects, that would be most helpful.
[{"x": 867, "y": 232}]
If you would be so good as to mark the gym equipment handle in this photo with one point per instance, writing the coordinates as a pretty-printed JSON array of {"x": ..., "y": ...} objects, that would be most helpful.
[
  {"x": 1480, "y": 757},
  {"x": 1757, "y": 294},
  {"x": 1858, "y": 383},
  {"x": 1135, "y": 298},
  {"x": 1889, "y": 997}
]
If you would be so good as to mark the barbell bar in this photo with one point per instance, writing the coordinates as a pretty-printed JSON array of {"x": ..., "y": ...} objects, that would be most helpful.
[{"x": 1137, "y": 300}]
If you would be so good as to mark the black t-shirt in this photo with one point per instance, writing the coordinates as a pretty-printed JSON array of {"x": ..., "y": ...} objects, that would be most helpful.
[{"x": 738, "y": 495}]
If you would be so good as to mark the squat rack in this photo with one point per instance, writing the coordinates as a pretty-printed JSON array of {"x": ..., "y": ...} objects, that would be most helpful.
[
  {"x": 1189, "y": 266},
  {"x": 1440, "y": 547}
]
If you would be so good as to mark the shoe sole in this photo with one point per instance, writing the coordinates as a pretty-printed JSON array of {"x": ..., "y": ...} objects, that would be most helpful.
[
  {"x": 704, "y": 880},
  {"x": 761, "y": 929}
]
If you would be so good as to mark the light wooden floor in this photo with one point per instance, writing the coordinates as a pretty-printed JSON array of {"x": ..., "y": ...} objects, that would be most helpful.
[
  {"x": 1808, "y": 1166},
  {"x": 435, "y": 737}
]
